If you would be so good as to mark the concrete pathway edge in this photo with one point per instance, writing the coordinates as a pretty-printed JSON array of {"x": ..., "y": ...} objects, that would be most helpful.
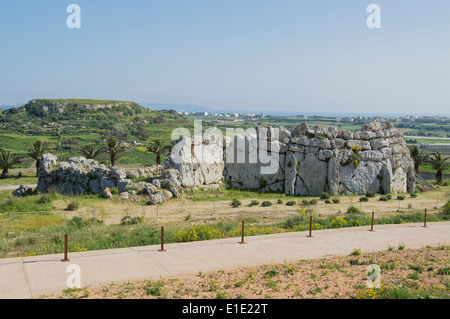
[{"x": 30, "y": 277}]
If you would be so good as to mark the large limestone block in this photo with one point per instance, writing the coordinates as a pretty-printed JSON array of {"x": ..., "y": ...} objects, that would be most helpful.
[
  {"x": 333, "y": 176},
  {"x": 363, "y": 145},
  {"x": 362, "y": 179},
  {"x": 107, "y": 182},
  {"x": 290, "y": 173},
  {"x": 300, "y": 130},
  {"x": 399, "y": 181},
  {"x": 329, "y": 132},
  {"x": 313, "y": 174},
  {"x": 48, "y": 161},
  {"x": 386, "y": 177},
  {"x": 379, "y": 143},
  {"x": 371, "y": 156}
]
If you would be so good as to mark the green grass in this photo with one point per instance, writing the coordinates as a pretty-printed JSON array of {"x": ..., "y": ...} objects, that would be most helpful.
[
  {"x": 92, "y": 234},
  {"x": 15, "y": 180},
  {"x": 9, "y": 203}
]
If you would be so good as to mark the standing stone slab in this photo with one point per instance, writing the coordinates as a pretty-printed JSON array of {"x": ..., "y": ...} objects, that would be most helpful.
[{"x": 313, "y": 174}]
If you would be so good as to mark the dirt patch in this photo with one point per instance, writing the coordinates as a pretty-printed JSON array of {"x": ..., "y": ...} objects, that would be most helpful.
[{"x": 326, "y": 278}]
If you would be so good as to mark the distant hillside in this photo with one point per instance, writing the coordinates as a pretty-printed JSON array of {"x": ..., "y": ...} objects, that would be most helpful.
[
  {"x": 177, "y": 107},
  {"x": 126, "y": 119}
]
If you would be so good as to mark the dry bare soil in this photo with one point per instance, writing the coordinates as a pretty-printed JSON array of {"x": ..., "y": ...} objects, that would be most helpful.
[{"x": 342, "y": 277}]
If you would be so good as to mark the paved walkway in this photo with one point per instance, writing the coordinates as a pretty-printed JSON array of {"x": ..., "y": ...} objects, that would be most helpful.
[{"x": 30, "y": 277}]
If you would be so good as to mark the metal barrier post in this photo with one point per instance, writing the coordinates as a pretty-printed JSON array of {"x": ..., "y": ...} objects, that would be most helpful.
[
  {"x": 425, "y": 219},
  {"x": 242, "y": 234},
  {"x": 162, "y": 239},
  {"x": 310, "y": 227},
  {"x": 371, "y": 224},
  {"x": 65, "y": 250}
]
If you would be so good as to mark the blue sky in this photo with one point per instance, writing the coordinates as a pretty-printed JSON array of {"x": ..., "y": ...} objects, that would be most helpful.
[{"x": 253, "y": 55}]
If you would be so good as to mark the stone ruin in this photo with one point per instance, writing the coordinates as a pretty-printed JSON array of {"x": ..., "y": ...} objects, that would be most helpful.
[
  {"x": 85, "y": 176},
  {"x": 303, "y": 162}
]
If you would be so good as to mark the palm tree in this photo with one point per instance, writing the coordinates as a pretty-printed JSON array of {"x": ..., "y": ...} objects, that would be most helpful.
[
  {"x": 37, "y": 150},
  {"x": 419, "y": 157},
  {"x": 159, "y": 147},
  {"x": 113, "y": 148},
  {"x": 440, "y": 164},
  {"x": 89, "y": 151},
  {"x": 7, "y": 161}
]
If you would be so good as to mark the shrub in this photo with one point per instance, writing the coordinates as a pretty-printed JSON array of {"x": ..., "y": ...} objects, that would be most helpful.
[
  {"x": 199, "y": 232},
  {"x": 355, "y": 262},
  {"x": 413, "y": 195},
  {"x": 253, "y": 203},
  {"x": 444, "y": 271},
  {"x": 364, "y": 199},
  {"x": 236, "y": 203},
  {"x": 73, "y": 204},
  {"x": 356, "y": 252},
  {"x": 337, "y": 223},
  {"x": 325, "y": 195},
  {"x": 414, "y": 276},
  {"x": 292, "y": 221},
  {"x": 401, "y": 197},
  {"x": 153, "y": 288},
  {"x": 383, "y": 198},
  {"x": 353, "y": 210},
  {"x": 336, "y": 200},
  {"x": 313, "y": 202},
  {"x": 445, "y": 212},
  {"x": 389, "y": 196},
  {"x": 327, "y": 201},
  {"x": 370, "y": 194},
  {"x": 45, "y": 199},
  {"x": 418, "y": 269},
  {"x": 280, "y": 201},
  {"x": 305, "y": 202},
  {"x": 290, "y": 203},
  {"x": 266, "y": 203},
  {"x": 114, "y": 191},
  {"x": 129, "y": 220}
]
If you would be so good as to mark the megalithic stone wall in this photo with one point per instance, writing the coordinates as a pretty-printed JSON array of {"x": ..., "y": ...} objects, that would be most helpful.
[
  {"x": 303, "y": 162},
  {"x": 308, "y": 161}
]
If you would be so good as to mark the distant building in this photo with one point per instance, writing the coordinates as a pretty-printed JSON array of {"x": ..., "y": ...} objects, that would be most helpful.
[{"x": 435, "y": 146}]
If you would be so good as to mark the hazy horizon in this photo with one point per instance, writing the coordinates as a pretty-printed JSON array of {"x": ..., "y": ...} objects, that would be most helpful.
[{"x": 201, "y": 108}]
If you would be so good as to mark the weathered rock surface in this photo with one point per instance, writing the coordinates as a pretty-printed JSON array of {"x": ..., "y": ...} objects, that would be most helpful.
[{"x": 304, "y": 161}]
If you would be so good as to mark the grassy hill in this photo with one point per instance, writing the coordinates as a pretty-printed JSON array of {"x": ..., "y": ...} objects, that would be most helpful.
[{"x": 71, "y": 123}]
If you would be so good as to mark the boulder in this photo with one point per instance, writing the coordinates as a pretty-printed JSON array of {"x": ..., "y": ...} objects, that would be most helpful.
[
  {"x": 123, "y": 184},
  {"x": 107, "y": 182},
  {"x": 123, "y": 195},
  {"x": 48, "y": 161},
  {"x": 22, "y": 190},
  {"x": 361, "y": 179},
  {"x": 107, "y": 193},
  {"x": 313, "y": 176},
  {"x": 333, "y": 177},
  {"x": 132, "y": 175},
  {"x": 118, "y": 173},
  {"x": 156, "y": 198},
  {"x": 175, "y": 192}
]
